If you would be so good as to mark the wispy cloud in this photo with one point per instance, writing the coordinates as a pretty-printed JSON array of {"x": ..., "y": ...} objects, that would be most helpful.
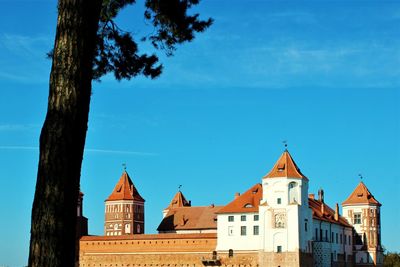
[
  {"x": 18, "y": 127},
  {"x": 24, "y": 45},
  {"x": 23, "y": 58},
  {"x": 90, "y": 150},
  {"x": 19, "y": 148},
  {"x": 109, "y": 151},
  {"x": 299, "y": 17}
]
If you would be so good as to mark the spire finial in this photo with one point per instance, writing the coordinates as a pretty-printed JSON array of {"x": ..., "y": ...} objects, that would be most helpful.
[
  {"x": 285, "y": 144},
  {"x": 179, "y": 187},
  {"x": 124, "y": 166},
  {"x": 360, "y": 175}
]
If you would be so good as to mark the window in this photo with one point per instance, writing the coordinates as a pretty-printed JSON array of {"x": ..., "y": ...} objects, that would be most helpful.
[
  {"x": 326, "y": 235},
  {"x": 127, "y": 228},
  {"x": 357, "y": 218},
  {"x": 281, "y": 167},
  {"x": 230, "y": 218},
  {"x": 305, "y": 226},
  {"x": 230, "y": 253},
  {"x": 316, "y": 233},
  {"x": 242, "y": 230},
  {"x": 255, "y": 230},
  {"x": 278, "y": 200},
  {"x": 337, "y": 238},
  {"x": 230, "y": 230},
  {"x": 279, "y": 249},
  {"x": 332, "y": 238},
  {"x": 341, "y": 239},
  {"x": 255, "y": 218},
  {"x": 293, "y": 193},
  {"x": 243, "y": 218},
  {"x": 358, "y": 239}
]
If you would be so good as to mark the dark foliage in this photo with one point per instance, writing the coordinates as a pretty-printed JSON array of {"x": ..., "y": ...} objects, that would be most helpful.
[
  {"x": 117, "y": 50},
  {"x": 391, "y": 259}
]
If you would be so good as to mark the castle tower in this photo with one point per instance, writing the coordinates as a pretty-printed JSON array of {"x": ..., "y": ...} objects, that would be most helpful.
[
  {"x": 362, "y": 210},
  {"x": 81, "y": 221},
  {"x": 285, "y": 216},
  {"x": 178, "y": 201},
  {"x": 124, "y": 211}
]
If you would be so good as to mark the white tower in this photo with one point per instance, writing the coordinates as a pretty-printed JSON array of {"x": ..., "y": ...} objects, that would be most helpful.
[
  {"x": 285, "y": 216},
  {"x": 362, "y": 210}
]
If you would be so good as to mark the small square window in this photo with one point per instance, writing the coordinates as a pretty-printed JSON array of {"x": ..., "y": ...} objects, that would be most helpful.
[
  {"x": 230, "y": 218},
  {"x": 255, "y": 217},
  {"x": 279, "y": 249},
  {"x": 279, "y": 200},
  {"x": 243, "y": 218}
]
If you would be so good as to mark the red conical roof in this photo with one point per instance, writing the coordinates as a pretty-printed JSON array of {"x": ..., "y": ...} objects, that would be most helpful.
[
  {"x": 285, "y": 167},
  {"x": 125, "y": 190},
  {"x": 361, "y": 195},
  {"x": 179, "y": 201}
]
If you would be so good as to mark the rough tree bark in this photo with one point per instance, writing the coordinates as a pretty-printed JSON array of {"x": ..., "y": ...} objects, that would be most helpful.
[{"x": 63, "y": 135}]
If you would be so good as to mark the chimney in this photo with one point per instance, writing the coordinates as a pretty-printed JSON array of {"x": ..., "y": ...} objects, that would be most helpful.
[
  {"x": 337, "y": 212},
  {"x": 322, "y": 208},
  {"x": 312, "y": 196},
  {"x": 321, "y": 195},
  {"x": 183, "y": 221},
  {"x": 237, "y": 195}
]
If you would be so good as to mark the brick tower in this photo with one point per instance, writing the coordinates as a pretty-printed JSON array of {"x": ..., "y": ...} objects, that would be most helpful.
[
  {"x": 362, "y": 210},
  {"x": 124, "y": 211}
]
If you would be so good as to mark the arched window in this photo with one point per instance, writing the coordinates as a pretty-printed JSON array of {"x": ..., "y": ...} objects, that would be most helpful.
[
  {"x": 127, "y": 228},
  {"x": 293, "y": 193}
]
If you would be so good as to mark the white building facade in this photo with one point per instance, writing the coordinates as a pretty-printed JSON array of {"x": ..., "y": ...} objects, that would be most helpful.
[{"x": 287, "y": 226}]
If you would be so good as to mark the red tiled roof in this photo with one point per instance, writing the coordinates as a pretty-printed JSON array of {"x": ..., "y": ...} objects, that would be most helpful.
[
  {"x": 328, "y": 215},
  {"x": 361, "y": 195},
  {"x": 125, "y": 190},
  {"x": 178, "y": 201},
  {"x": 285, "y": 167},
  {"x": 247, "y": 202},
  {"x": 189, "y": 218}
]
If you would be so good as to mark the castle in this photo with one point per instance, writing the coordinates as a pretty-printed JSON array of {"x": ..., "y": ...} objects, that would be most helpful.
[{"x": 274, "y": 223}]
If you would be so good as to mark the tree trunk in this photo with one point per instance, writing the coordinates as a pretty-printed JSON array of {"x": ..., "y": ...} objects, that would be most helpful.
[{"x": 63, "y": 135}]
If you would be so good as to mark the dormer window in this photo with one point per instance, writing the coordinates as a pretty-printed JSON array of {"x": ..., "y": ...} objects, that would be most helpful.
[
  {"x": 281, "y": 167},
  {"x": 119, "y": 188},
  {"x": 248, "y": 205}
]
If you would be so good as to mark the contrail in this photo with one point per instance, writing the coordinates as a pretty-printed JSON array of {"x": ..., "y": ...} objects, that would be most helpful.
[{"x": 90, "y": 150}]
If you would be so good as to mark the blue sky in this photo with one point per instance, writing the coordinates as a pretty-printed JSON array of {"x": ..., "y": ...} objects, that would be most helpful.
[{"x": 323, "y": 75}]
